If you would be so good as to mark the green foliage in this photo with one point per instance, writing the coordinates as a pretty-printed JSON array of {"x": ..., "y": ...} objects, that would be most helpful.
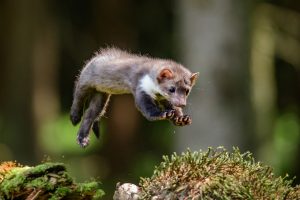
[
  {"x": 216, "y": 174},
  {"x": 285, "y": 142},
  {"x": 46, "y": 181}
]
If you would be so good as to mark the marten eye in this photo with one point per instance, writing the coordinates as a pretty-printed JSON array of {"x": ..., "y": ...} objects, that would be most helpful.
[
  {"x": 187, "y": 92},
  {"x": 172, "y": 89}
]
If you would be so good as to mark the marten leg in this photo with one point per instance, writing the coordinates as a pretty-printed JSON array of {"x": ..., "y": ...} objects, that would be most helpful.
[
  {"x": 150, "y": 109},
  {"x": 81, "y": 93},
  {"x": 90, "y": 115}
]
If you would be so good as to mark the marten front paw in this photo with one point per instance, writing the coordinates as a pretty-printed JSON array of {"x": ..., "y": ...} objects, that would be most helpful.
[
  {"x": 169, "y": 114},
  {"x": 83, "y": 141},
  {"x": 182, "y": 120}
]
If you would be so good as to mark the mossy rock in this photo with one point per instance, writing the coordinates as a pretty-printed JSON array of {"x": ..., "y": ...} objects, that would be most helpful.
[
  {"x": 215, "y": 174},
  {"x": 44, "y": 181}
]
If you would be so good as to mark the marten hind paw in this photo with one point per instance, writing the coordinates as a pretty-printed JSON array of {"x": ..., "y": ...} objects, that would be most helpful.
[
  {"x": 182, "y": 120},
  {"x": 75, "y": 118},
  {"x": 83, "y": 141}
]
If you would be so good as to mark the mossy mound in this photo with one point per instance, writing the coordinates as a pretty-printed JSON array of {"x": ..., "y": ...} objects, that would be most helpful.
[
  {"x": 44, "y": 181},
  {"x": 215, "y": 174}
]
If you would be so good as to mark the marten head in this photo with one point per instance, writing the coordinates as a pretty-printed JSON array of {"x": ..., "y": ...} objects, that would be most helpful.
[
  {"x": 172, "y": 82},
  {"x": 175, "y": 85}
]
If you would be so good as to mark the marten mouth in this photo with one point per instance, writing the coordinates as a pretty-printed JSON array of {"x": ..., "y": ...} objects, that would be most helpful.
[{"x": 179, "y": 105}]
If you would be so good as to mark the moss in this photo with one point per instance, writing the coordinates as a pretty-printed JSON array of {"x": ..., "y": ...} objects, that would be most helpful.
[
  {"x": 216, "y": 174},
  {"x": 60, "y": 193},
  {"x": 13, "y": 181},
  {"x": 88, "y": 187},
  {"x": 47, "y": 181}
]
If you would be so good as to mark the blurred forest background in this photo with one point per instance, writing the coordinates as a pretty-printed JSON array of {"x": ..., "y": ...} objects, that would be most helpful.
[{"x": 248, "y": 93}]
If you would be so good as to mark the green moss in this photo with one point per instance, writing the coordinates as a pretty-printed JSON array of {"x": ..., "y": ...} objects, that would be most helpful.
[
  {"x": 60, "y": 193},
  {"x": 48, "y": 181},
  {"x": 13, "y": 181},
  {"x": 98, "y": 194},
  {"x": 216, "y": 174},
  {"x": 46, "y": 168},
  {"x": 88, "y": 187}
]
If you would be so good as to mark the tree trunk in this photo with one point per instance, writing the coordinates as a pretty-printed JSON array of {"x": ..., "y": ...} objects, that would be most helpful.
[
  {"x": 17, "y": 133},
  {"x": 214, "y": 39}
]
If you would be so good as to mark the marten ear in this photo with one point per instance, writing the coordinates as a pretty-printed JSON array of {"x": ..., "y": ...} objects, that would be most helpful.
[
  {"x": 193, "y": 78},
  {"x": 165, "y": 74}
]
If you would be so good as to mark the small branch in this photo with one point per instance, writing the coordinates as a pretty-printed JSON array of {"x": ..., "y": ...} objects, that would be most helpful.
[{"x": 34, "y": 195}]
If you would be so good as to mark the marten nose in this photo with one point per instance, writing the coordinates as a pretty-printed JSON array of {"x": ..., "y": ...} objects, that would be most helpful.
[{"x": 181, "y": 103}]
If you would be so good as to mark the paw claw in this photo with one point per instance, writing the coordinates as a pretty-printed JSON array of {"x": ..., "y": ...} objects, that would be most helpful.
[
  {"x": 182, "y": 120},
  {"x": 169, "y": 114},
  {"x": 185, "y": 119}
]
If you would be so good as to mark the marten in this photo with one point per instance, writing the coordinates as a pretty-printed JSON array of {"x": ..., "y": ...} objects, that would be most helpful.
[{"x": 160, "y": 88}]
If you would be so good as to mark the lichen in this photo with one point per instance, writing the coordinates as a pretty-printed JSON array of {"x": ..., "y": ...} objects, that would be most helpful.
[
  {"x": 6, "y": 167},
  {"x": 215, "y": 174}
]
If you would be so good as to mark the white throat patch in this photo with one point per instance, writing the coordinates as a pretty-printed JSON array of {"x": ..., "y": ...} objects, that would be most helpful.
[{"x": 148, "y": 86}]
